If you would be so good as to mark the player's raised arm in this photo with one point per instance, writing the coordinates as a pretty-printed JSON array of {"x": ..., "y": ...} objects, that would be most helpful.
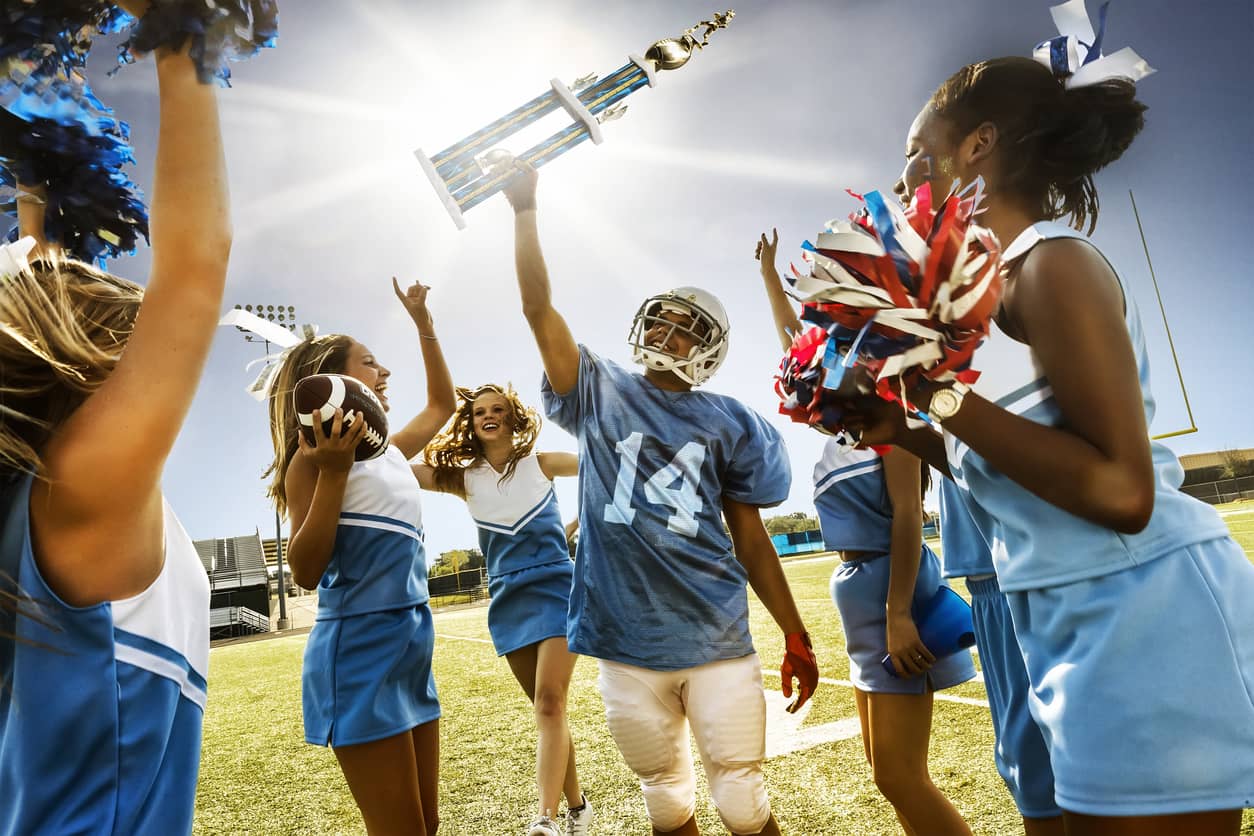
[
  {"x": 786, "y": 323},
  {"x": 104, "y": 462},
  {"x": 557, "y": 347},
  {"x": 112, "y": 450},
  {"x": 441, "y": 397}
]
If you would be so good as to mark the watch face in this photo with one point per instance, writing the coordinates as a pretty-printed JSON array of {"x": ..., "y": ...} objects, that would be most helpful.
[{"x": 945, "y": 403}]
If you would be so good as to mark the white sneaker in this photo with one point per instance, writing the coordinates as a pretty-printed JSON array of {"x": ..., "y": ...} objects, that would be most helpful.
[
  {"x": 543, "y": 826},
  {"x": 579, "y": 821}
]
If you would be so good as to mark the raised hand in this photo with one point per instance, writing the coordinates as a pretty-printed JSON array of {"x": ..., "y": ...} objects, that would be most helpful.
[
  {"x": 521, "y": 192},
  {"x": 799, "y": 663},
  {"x": 765, "y": 253},
  {"x": 415, "y": 301}
]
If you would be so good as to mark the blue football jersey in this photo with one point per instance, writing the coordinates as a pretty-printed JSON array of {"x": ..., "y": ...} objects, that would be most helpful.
[
  {"x": 1034, "y": 543},
  {"x": 656, "y": 582},
  {"x": 966, "y": 552},
  {"x": 851, "y": 499},
  {"x": 101, "y": 706},
  {"x": 378, "y": 562},
  {"x": 518, "y": 519}
]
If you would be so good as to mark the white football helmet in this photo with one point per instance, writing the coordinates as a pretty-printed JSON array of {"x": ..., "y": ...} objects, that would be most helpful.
[{"x": 708, "y": 330}]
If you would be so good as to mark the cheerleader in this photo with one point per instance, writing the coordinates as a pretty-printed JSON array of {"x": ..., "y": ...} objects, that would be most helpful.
[
  {"x": 1150, "y": 728},
  {"x": 870, "y": 509},
  {"x": 485, "y": 456},
  {"x": 104, "y": 604},
  {"x": 366, "y": 686}
]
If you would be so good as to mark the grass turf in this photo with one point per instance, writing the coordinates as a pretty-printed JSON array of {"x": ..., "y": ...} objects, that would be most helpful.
[{"x": 258, "y": 775}]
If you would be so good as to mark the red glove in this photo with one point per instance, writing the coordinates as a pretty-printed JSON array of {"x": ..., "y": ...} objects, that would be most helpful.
[{"x": 799, "y": 662}]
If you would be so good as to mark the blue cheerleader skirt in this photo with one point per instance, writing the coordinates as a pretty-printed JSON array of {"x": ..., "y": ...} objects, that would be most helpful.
[
  {"x": 1021, "y": 754},
  {"x": 1143, "y": 683},
  {"x": 860, "y": 590},
  {"x": 368, "y": 677},
  {"x": 529, "y": 605}
]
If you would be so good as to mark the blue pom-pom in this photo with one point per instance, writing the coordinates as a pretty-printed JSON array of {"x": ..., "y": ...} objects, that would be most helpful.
[
  {"x": 219, "y": 31},
  {"x": 42, "y": 56},
  {"x": 38, "y": 85},
  {"x": 55, "y": 132},
  {"x": 68, "y": 26},
  {"x": 93, "y": 210}
]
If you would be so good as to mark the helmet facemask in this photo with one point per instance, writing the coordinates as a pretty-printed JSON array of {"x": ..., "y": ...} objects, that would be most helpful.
[{"x": 707, "y": 329}]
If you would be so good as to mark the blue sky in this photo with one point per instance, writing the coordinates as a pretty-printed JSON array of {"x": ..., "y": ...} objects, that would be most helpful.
[{"x": 791, "y": 105}]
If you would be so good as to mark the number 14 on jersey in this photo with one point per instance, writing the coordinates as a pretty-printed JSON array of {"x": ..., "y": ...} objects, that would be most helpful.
[{"x": 685, "y": 467}]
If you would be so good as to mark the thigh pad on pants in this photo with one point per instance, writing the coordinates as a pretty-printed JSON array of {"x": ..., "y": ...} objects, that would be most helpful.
[{"x": 653, "y": 741}]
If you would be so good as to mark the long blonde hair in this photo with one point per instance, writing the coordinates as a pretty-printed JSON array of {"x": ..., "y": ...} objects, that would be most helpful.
[
  {"x": 63, "y": 326},
  {"x": 457, "y": 448},
  {"x": 321, "y": 355}
]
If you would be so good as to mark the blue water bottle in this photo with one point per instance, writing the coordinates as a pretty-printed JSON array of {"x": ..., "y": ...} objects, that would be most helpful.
[{"x": 945, "y": 626}]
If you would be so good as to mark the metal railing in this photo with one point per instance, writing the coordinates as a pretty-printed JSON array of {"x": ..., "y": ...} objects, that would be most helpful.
[
  {"x": 253, "y": 619},
  {"x": 1222, "y": 490},
  {"x": 228, "y": 617}
]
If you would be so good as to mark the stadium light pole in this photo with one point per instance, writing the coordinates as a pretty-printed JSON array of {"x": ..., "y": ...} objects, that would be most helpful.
[{"x": 285, "y": 317}]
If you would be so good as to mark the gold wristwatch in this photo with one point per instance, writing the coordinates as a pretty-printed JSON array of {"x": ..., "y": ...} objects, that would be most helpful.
[{"x": 946, "y": 402}]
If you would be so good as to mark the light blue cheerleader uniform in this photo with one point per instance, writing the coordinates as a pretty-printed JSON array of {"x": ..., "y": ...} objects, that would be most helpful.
[
  {"x": 1139, "y": 647},
  {"x": 524, "y": 543},
  {"x": 100, "y": 706},
  {"x": 1020, "y": 752},
  {"x": 855, "y": 514},
  {"x": 656, "y": 583},
  {"x": 367, "y": 672}
]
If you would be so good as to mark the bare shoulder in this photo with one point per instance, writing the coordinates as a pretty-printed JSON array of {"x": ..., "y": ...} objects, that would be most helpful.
[
  {"x": 426, "y": 475},
  {"x": 554, "y": 464},
  {"x": 1062, "y": 272}
]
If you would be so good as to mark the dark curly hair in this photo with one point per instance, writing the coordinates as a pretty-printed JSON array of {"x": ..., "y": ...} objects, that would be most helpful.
[{"x": 1053, "y": 139}]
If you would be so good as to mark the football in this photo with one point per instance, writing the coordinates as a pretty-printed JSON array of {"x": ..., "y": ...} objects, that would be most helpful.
[{"x": 322, "y": 394}]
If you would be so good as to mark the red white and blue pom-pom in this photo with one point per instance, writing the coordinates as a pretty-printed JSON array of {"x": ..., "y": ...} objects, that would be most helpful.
[{"x": 894, "y": 295}]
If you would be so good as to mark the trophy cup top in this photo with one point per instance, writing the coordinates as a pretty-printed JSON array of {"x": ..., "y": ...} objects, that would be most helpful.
[{"x": 673, "y": 53}]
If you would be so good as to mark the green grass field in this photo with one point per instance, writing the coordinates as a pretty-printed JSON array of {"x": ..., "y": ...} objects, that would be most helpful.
[{"x": 259, "y": 776}]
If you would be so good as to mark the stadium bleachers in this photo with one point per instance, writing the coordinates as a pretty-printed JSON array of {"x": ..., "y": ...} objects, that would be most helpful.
[{"x": 239, "y": 586}]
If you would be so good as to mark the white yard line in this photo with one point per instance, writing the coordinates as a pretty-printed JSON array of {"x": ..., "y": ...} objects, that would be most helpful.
[
  {"x": 799, "y": 561},
  {"x": 845, "y": 683},
  {"x": 462, "y": 638},
  {"x": 785, "y": 733}
]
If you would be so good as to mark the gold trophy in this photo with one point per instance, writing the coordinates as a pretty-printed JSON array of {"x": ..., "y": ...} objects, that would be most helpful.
[{"x": 465, "y": 174}]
